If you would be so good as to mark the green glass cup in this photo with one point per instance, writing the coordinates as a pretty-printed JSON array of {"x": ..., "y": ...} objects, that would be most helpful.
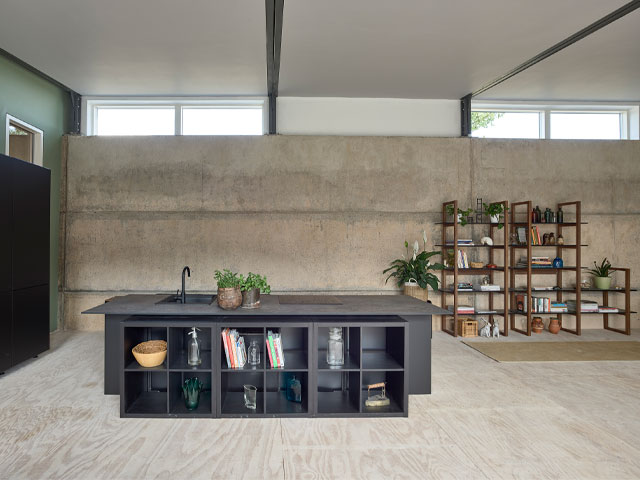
[{"x": 191, "y": 390}]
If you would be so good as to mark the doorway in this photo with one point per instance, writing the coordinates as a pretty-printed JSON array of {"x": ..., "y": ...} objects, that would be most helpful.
[{"x": 23, "y": 141}]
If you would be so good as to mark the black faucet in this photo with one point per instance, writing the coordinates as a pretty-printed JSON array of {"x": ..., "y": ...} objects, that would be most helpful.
[{"x": 183, "y": 295}]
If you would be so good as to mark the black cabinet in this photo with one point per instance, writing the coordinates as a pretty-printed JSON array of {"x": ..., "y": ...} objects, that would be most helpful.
[{"x": 24, "y": 260}]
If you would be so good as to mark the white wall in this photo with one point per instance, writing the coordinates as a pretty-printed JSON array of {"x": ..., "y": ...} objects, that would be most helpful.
[{"x": 368, "y": 116}]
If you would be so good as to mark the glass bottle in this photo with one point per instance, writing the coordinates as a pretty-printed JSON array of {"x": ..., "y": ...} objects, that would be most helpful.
[
  {"x": 560, "y": 216},
  {"x": 193, "y": 349},
  {"x": 294, "y": 390},
  {"x": 335, "y": 347},
  {"x": 253, "y": 354},
  {"x": 538, "y": 214}
]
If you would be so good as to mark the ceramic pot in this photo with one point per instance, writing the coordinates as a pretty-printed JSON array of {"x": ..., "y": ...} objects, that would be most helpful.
[
  {"x": 494, "y": 218},
  {"x": 537, "y": 325},
  {"x": 229, "y": 298},
  {"x": 554, "y": 325},
  {"x": 602, "y": 283},
  {"x": 251, "y": 298}
]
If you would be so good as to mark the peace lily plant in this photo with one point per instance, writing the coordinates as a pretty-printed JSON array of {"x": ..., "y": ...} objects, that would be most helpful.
[{"x": 415, "y": 267}]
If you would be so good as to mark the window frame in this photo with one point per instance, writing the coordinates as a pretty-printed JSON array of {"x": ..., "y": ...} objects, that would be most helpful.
[
  {"x": 628, "y": 113},
  {"x": 91, "y": 105},
  {"x": 38, "y": 138}
]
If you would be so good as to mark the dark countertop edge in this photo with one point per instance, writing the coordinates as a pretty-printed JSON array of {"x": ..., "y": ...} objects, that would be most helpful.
[{"x": 145, "y": 305}]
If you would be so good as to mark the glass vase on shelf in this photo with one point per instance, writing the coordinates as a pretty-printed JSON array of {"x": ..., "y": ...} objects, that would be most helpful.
[
  {"x": 335, "y": 347},
  {"x": 294, "y": 390},
  {"x": 253, "y": 353}
]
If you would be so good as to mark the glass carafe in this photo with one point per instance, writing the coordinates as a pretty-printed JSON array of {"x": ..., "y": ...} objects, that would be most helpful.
[
  {"x": 335, "y": 347},
  {"x": 253, "y": 354}
]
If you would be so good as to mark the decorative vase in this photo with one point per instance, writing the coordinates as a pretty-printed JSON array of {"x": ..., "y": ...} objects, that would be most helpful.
[
  {"x": 335, "y": 348},
  {"x": 558, "y": 263},
  {"x": 191, "y": 390},
  {"x": 554, "y": 325},
  {"x": 412, "y": 289},
  {"x": 602, "y": 283},
  {"x": 229, "y": 298},
  {"x": 537, "y": 325},
  {"x": 251, "y": 298}
]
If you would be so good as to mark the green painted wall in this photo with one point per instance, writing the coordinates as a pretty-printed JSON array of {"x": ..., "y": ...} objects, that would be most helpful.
[{"x": 45, "y": 106}]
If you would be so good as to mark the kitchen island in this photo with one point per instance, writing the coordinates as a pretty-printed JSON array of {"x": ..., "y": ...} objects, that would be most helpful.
[{"x": 386, "y": 337}]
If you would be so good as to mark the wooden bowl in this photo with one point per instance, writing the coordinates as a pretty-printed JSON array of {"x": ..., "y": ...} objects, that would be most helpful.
[{"x": 151, "y": 353}]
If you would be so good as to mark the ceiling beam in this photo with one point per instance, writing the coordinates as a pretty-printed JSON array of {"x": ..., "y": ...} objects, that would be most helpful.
[
  {"x": 588, "y": 30},
  {"x": 75, "y": 100},
  {"x": 274, "y": 11}
]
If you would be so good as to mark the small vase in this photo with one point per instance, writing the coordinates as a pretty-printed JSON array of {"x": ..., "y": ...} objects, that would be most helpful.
[
  {"x": 229, "y": 298},
  {"x": 191, "y": 390},
  {"x": 602, "y": 283},
  {"x": 554, "y": 325},
  {"x": 494, "y": 218},
  {"x": 537, "y": 325}
]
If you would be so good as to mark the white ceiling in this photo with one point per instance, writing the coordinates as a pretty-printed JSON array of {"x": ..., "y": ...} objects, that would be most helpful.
[
  {"x": 141, "y": 47},
  {"x": 342, "y": 48},
  {"x": 603, "y": 66}
]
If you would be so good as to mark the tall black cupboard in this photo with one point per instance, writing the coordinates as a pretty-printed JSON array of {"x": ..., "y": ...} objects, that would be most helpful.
[{"x": 24, "y": 260}]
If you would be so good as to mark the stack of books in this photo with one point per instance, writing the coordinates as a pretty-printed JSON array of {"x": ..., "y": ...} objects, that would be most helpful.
[
  {"x": 465, "y": 287},
  {"x": 489, "y": 288},
  {"x": 465, "y": 309},
  {"x": 234, "y": 348},
  {"x": 465, "y": 241},
  {"x": 603, "y": 309},
  {"x": 537, "y": 262},
  {"x": 559, "y": 307},
  {"x": 274, "y": 350},
  {"x": 586, "y": 306}
]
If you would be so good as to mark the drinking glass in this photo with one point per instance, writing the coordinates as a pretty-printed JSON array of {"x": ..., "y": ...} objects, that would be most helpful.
[{"x": 250, "y": 393}]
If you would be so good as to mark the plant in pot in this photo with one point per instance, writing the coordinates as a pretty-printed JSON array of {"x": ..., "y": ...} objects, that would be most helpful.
[
  {"x": 493, "y": 211},
  {"x": 601, "y": 278},
  {"x": 229, "y": 293},
  {"x": 413, "y": 272},
  {"x": 463, "y": 215},
  {"x": 251, "y": 288}
]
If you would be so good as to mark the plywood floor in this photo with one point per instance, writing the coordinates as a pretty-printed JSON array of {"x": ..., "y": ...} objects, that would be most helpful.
[{"x": 484, "y": 420}]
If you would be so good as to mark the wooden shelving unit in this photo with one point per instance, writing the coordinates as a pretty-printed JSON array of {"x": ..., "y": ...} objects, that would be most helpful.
[{"x": 452, "y": 227}]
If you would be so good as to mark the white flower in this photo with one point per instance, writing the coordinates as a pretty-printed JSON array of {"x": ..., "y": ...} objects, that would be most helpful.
[
  {"x": 424, "y": 237},
  {"x": 414, "y": 256},
  {"x": 415, "y": 248}
]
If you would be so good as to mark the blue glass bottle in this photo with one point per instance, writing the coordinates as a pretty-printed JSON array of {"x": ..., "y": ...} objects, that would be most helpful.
[{"x": 294, "y": 390}]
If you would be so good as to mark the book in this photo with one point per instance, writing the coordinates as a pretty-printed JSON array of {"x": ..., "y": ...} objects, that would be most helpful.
[
  {"x": 242, "y": 352},
  {"x": 273, "y": 350},
  {"x": 234, "y": 353},
  {"x": 269, "y": 353},
  {"x": 226, "y": 346},
  {"x": 277, "y": 341},
  {"x": 607, "y": 310},
  {"x": 489, "y": 288}
]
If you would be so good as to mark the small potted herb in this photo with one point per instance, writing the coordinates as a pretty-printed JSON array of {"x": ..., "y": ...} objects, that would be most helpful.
[
  {"x": 463, "y": 215},
  {"x": 413, "y": 272},
  {"x": 493, "y": 211},
  {"x": 601, "y": 278},
  {"x": 229, "y": 284},
  {"x": 251, "y": 288}
]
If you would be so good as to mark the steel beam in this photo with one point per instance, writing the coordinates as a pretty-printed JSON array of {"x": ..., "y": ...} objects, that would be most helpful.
[
  {"x": 274, "y": 11},
  {"x": 465, "y": 116}
]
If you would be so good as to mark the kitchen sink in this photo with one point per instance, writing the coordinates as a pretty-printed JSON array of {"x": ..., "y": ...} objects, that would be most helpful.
[{"x": 200, "y": 299}]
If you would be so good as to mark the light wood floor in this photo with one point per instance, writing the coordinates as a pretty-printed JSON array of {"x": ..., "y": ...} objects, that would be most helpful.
[{"x": 484, "y": 420}]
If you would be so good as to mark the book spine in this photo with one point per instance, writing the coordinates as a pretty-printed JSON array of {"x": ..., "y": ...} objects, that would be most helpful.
[
  {"x": 273, "y": 351},
  {"x": 226, "y": 346},
  {"x": 280, "y": 350},
  {"x": 232, "y": 343},
  {"x": 269, "y": 352},
  {"x": 277, "y": 350}
]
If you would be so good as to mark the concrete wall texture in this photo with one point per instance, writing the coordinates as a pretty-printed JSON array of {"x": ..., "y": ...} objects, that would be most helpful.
[{"x": 314, "y": 214}]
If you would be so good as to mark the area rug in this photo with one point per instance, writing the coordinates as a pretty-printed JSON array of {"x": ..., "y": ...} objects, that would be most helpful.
[{"x": 558, "y": 351}]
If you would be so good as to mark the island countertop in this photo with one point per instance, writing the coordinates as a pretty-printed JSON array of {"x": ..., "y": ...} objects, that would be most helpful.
[{"x": 147, "y": 304}]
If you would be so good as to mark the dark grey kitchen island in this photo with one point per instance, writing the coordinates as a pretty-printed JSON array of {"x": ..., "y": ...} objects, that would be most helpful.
[{"x": 387, "y": 338}]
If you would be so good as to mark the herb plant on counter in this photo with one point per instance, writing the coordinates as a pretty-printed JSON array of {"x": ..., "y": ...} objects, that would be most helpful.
[
  {"x": 254, "y": 280},
  {"x": 227, "y": 279},
  {"x": 415, "y": 267}
]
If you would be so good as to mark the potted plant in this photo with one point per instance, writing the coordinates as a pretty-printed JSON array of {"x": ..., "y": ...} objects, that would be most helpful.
[
  {"x": 229, "y": 284},
  {"x": 251, "y": 288},
  {"x": 601, "y": 278},
  {"x": 493, "y": 211},
  {"x": 463, "y": 215},
  {"x": 413, "y": 272}
]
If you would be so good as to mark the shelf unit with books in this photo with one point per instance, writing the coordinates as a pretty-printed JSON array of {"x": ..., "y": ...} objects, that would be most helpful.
[
  {"x": 523, "y": 220},
  {"x": 450, "y": 241}
]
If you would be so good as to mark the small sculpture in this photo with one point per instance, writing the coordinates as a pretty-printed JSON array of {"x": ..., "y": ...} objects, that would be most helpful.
[
  {"x": 486, "y": 280},
  {"x": 377, "y": 400},
  {"x": 495, "y": 330},
  {"x": 485, "y": 331},
  {"x": 486, "y": 241}
]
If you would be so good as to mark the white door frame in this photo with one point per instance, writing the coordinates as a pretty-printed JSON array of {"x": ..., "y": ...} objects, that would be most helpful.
[{"x": 37, "y": 137}]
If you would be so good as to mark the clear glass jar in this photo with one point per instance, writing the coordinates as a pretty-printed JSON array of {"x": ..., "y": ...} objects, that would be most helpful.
[
  {"x": 335, "y": 347},
  {"x": 253, "y": 354}
]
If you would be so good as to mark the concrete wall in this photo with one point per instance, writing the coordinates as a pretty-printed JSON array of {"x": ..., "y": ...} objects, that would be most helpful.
[{"x": 312, "y": 213}]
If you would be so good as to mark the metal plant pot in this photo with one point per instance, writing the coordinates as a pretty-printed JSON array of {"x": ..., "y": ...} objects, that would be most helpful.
[
  {"x": 229, "y": 298},
  {"x": 251, "y": 298}
]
